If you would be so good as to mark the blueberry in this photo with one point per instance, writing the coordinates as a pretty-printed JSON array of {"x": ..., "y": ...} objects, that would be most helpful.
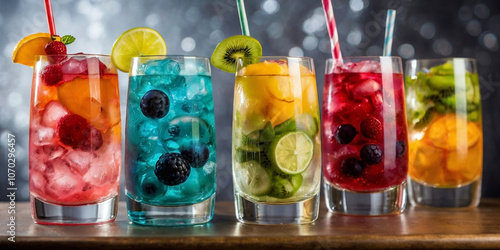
[
  {"x": 196, "y": 154},
  {"x": 171, "y": 169},
  {"x": 400, "y": 148},
  {"x": 174, "y": 130},
  {"x": 155, "y": 104},
  {"x": 371, "y": 154},
  {"x": 149, "y": 188},
  {"x": 352, "y": 167},
  {"x": 345, "y": 133}
]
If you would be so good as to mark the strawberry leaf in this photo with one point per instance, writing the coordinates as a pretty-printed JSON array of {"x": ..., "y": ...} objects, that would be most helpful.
[{"x": 67, "y": 39}]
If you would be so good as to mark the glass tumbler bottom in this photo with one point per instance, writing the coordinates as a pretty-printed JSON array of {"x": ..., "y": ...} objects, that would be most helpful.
[
  {"x": 302, "y": 212},
  {"x": 50, "y": 213},
  {"x": 151, "y": 215},
  {"x": 341, "y": 201},
  {"x": 429, "y": 196}
]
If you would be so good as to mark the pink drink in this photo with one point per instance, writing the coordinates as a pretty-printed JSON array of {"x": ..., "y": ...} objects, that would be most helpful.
[
  {"x": 75, "y": 133},
  {"x": 364, "y": 124}
]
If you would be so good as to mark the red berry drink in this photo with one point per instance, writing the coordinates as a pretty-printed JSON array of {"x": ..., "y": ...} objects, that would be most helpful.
[
  {"x": 364, "y": 132},
  {"x": 75, "y": 139}
]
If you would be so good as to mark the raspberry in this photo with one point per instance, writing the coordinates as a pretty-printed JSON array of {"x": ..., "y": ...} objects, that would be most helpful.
[
  {"x": 56, "y": 48},
  {"x": 371, "y": 154},
  {"x": 171, "y": 169},
  {"x": 155, "y": 104},
  {"x": 400, "y": 148},
  {"x": 371, "y": 128},
  {"x": 52, "y": 74},
  {"x": 93, "y": 139},
  {"x": 196, "y": 154},
  {"x": 352, "y": 167},
  {"x": 345, "y": 133},
  {"x": 71, "y": 130}
]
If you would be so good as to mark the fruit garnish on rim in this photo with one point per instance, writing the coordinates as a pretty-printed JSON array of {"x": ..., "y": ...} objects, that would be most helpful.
[
  {"x": 225, "y": 54},
  {"x": 136, "y": 42},
  {"x": 40, "y": 44}
]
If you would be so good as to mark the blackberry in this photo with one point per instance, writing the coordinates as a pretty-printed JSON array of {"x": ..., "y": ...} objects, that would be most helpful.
[
  {"x": 352, "y": 167},
  {"x": 345, "y": 133},
  {"x": 155, "y": 104},
  {"x": 400, "y": 148},
  {"x": 171, "y": 169},
  {"x": 371, "y": 154},
  {"x": 196, "y": 154}
]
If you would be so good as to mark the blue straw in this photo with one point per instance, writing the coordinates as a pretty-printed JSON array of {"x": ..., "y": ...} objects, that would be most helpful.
[{"x": 389, "y": 31}]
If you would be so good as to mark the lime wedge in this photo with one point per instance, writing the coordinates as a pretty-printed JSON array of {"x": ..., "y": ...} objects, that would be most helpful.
[
  {"x": 292, "y": 152},
  {"x": 136, "y": 42}
]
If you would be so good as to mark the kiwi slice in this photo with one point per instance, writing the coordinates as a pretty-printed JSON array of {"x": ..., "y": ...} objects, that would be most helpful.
[
  {"x": 285, "y": 186},
  {"x": 441, "y": 82},
  {"x": 231, "y": 48},
  {"x": 426, "y": 119}
]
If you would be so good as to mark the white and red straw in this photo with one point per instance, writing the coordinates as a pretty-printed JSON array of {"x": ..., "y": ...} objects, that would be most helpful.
[{"x": 332, "y": 30}]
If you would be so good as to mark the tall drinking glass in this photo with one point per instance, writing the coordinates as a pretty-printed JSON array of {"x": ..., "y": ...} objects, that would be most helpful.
[
  {"x": 445, "y": 132},
  {"x": 170, "y": 159},
  {"x": 365, "y": 156},
  {"x": 74, "y": 140},
  {"x": 276, "y": 141}
]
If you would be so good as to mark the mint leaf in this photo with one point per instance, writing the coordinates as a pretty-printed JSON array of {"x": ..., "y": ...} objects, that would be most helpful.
[{"x": 67, "y": 39}]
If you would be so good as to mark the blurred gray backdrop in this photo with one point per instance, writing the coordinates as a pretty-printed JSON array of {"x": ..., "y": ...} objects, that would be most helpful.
[{"x": 424, "y": 29}]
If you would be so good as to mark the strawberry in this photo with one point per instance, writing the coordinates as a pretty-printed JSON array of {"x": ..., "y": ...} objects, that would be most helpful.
[
  {"x": 371, "y": 128},
  {"x": 93, "y": 139},
  {"x": 72, "y": 130},
  {"x": 52, "y": 74}
]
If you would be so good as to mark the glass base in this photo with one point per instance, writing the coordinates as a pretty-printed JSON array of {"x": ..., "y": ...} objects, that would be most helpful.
[
  {"x": 151, "y": 215},
  {"x": 251, "y": 212},
  {"x": 54, "y": 214},
  {"x": 341, "y": 201},
  {"x": 465, "y": 196}
]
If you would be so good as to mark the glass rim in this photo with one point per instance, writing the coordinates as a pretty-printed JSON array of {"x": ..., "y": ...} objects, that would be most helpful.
[
  {"x": 358, "y": 57},
  {"x": 278, "y": 57},
  {"x": 171, "y": 56},
  {"x": 441, "y": 59},
  {"x": 75, "y": 55}
]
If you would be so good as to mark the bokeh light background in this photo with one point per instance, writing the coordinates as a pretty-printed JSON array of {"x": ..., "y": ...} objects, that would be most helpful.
[{"x": 424, "y": 29}]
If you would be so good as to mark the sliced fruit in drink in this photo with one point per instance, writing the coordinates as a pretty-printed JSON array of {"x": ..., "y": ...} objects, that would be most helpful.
[
  {"x": 248, "y": 153},
  {"x": 253, "y": 179},
  {"x": 226, "y": 53},
  {"x": 136, "y": 42},
  {"x": 292, "y": 152},
  {"x": 303, "y": 122},
  {"x": 29, "y": 47},
  {"x": 443, "y": 132},
  {"x": 285, "y": 186}
]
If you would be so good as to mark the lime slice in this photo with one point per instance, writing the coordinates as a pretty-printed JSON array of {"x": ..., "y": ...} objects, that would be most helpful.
[
  {"x": 253, "y": 179},
  {"x": 292, "y": 152},
  {"x": 136, "y": 42}
]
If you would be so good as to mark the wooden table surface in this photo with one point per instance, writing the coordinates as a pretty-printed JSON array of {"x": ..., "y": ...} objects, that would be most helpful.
[{"x": 417, "y": 227}]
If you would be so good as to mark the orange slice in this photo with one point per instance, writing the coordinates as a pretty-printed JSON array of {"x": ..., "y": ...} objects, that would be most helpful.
[{"x": 29, "y": 47}]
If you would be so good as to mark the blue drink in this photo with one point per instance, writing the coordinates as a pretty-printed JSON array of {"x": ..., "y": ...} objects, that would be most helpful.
[{"x": 170, "y": 159}]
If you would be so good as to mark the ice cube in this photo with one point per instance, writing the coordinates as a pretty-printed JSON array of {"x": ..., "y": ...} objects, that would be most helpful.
[
  {"x": 61, "y": 181},
  {"x": 74, "y": 66},
  {"x": 43, "y": 135},
  {"x": 367, "y": 66},
  {"x": 185, "y": 129},
  {"x": 37, "y": 182},
  {"x": 148, "y": 186},
  {"x": 53, "y": 111},
  {"x": 148, "y": 129},
  {"x": 365, "y": 88},
  {"x": 53, "y": 151},
  {"x": 196, "y": 87},
  {"x": 105, "y": 170},
  {"x": 162, "y": 67},
  {"x": 192, "y": 186},
  {"x": 191, "y": 107},
  {"x": 80, "y": 161}
]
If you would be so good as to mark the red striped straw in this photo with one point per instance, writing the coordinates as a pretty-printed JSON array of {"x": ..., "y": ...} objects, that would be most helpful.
[
  {"x": 332, "y": 30},
  {"x": 50, "y": 17}
]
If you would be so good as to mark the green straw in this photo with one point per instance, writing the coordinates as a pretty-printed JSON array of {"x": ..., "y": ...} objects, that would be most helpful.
[{"x": 243, "y": 17}]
